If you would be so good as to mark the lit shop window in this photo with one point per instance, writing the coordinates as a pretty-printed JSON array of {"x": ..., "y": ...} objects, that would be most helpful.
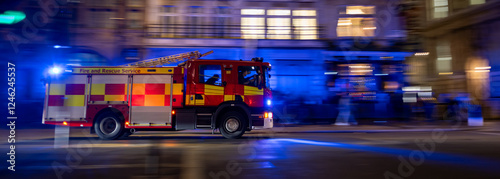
[
  {"x": 253, "y": 27},
  {"x": 356, "y": 27},
  {"x": 439, "y": 8},
  {"x": 358, "y": 10}
]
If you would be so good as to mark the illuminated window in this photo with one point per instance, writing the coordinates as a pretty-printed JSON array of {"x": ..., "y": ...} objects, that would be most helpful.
[
  {"x": 353, "y": 10},
  {"x": 253, "y": 12},
  {"x": 304, "y": 12},
  {"x": 439, "y": 8},
  {"x": 252, "y": 27},
  {"x": 476, "y": 2},
  {"x": 443, "y": 60},
  {"x": 279, "y": 24},
  {"x": 278, "y": 28},
  {"x": 356, "y": 27},
  {"x": 278, "y": 12},
  {"x": 305, "y": 28}
]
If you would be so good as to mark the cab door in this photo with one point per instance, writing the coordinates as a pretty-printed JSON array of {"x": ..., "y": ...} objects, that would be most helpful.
[{"x": 209, "y": 90}]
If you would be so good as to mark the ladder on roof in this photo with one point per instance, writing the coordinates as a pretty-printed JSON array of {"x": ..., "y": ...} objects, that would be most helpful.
[{"x": 168, "y": 59}]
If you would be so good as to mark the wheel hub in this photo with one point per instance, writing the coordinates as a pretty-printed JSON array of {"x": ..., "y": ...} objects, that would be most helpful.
[
  {"x": 108, "y": 125},
  {"x": 232, "y": 125}
]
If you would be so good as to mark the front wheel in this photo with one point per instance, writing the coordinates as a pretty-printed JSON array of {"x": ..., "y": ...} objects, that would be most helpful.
[
  {"x": 233, "y": 125},
  {"x": 109, "y": 126}
]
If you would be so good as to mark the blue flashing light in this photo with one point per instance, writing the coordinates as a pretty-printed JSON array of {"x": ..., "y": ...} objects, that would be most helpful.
[
  {"x": 57, "y": 46},
  {"x": 55, "y": 70},
  {"x": 269, "y": 102}
]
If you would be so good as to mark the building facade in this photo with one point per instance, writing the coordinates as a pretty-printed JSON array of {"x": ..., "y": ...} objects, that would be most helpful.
[
  {"x": 460, "y": 50},
  {"x": 310, "y": 43}
]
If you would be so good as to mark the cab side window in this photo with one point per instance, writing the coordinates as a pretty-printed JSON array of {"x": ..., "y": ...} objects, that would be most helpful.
[
  {"x": 249, "y": 75},
  {"x": 210, "y": 74}
]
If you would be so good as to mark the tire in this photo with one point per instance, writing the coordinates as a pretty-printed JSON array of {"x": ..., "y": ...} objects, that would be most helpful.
[
  {"x": 109, "y": 126},
  {"x": 233, "y": 125}
]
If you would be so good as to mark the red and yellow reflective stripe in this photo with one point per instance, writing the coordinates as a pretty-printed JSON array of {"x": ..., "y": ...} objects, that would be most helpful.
[
  {"x": 108, "y": 92},
  {"x": 154, "y": 94},
  {"x": 250, "y": 90},
  {"x": 66, "y": 95}
]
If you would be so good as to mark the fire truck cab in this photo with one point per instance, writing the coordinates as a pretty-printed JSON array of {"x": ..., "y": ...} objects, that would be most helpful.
[{"x": 229, "y": 95}]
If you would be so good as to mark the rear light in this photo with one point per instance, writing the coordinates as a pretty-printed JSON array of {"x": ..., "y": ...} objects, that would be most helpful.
[
  {"x": 173, "y": 112},
  {"x": 268, "y": 115},
  {"x": 126, "y": 123},
  {"x": 65, "y": 123}
]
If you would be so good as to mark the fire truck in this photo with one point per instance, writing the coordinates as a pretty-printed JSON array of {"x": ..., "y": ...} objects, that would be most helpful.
[{"x": 232, "y": 96}]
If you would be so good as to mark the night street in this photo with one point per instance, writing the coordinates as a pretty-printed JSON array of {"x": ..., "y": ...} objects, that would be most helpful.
[{"x": 284, "y": 152}]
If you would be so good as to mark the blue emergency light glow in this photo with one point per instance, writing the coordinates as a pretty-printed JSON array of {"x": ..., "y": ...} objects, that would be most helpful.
[
  {"x": 269, "y": 102},
  {"x": 55, "y": 70}
]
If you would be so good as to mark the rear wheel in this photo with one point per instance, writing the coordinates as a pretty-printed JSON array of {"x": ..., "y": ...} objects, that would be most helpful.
[
  {"x": 232, "y": 125},
  {"x": 109, "y": 126}
]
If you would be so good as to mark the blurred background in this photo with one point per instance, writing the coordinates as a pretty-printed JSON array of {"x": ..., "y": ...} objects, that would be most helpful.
[{"x": 395, "y": 59}]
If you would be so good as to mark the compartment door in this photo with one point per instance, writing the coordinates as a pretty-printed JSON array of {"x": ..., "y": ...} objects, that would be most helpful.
[{"x": 151, "y": 100}]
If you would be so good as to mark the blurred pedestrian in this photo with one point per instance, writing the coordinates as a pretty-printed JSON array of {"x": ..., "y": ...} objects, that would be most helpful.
[{"x": 345, "y": 116}]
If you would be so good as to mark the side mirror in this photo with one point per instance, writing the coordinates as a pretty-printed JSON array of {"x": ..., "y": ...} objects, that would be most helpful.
[
  {"x": 224, "y": 83},
  {"x": 269, "y": 75}
]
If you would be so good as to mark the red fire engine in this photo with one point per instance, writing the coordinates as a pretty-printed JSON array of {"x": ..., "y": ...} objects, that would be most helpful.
[{"x": 229, "y": 95}]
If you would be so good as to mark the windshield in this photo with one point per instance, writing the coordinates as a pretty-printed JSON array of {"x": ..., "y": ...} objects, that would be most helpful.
[{"x": 266, "y": 76}]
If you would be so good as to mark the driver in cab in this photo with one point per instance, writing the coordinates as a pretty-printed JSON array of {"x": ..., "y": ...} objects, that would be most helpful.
[{"x": 242, "y": 79}]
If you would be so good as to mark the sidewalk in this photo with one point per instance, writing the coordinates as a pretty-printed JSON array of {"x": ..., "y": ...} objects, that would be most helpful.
[{"x": 387, "y": 127}]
